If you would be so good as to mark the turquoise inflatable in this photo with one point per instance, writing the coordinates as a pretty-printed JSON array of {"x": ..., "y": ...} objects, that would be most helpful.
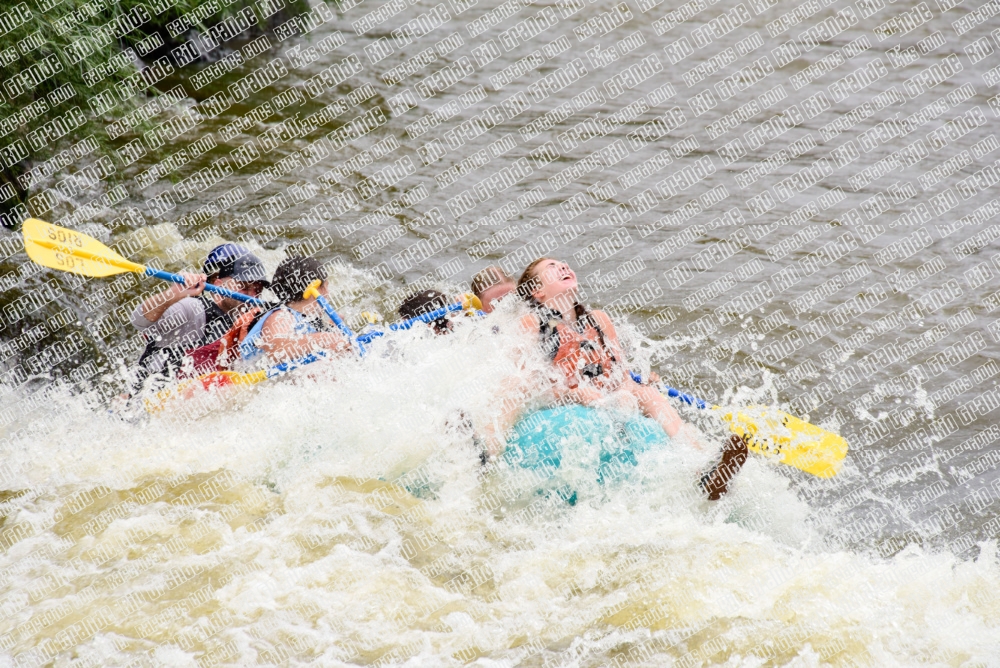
[{"x": 597, "y": 444}]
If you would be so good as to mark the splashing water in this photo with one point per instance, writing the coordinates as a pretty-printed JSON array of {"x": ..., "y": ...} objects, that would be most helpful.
[{"x": 275, "y": 525}]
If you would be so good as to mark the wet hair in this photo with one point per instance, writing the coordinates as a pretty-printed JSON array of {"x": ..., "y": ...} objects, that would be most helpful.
[
  {"x": 487, "y": 278},
  {"x": 529, "y": 282},
  {"x": 293, "y": 276},
  {"x": 424, "y": 302}
]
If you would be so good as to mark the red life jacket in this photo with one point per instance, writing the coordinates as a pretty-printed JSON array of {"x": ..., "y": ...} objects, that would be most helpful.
[
  {"x": 579, "y": 350},
  {"x": 220, "y": 354},
  {"x": 178, "y": 359}
]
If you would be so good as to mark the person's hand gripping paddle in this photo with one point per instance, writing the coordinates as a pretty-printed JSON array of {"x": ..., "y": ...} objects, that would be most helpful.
[{"x": 68, "y": 250}]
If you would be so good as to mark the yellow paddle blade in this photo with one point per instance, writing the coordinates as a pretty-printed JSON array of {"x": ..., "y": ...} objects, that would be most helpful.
[
  {"x": 792, "y": 441},
  {"x": 248, "y": 378},
  {"x": 68, "y": 250}
]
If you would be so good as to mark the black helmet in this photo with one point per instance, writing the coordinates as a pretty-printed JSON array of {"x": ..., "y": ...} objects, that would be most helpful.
[
  {"x": 425, "y": 302},
  {"x": 294, "y": 275}
]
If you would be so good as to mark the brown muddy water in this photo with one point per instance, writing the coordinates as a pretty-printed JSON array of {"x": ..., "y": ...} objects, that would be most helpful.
[{"x": 788, "y": 205}]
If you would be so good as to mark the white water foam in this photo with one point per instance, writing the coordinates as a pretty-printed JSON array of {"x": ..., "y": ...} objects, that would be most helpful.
[{"x": 269, "y": 529}]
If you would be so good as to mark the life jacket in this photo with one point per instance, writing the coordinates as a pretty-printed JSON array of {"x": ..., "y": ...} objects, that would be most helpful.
[
  {"x": 250, "y": 346},
  {"x": 217, "y": 323},
  {"x": 220, "y": 354},
  {"x": 578, "y": 349}
]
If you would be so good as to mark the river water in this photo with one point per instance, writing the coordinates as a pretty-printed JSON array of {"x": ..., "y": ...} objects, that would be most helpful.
[{"x": 816, "y": 257}]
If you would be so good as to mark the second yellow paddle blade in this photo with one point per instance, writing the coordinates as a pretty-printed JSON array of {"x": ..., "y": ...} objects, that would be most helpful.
[
  {"x": 187, "y": 389},
  {"x": 774, "y": 433},
  {"x": 247, "y": 378},
  {"x": 68, "y": 250}
]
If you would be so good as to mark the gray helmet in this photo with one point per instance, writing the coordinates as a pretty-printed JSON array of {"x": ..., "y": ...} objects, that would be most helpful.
[{"x": 231, "y": 260}]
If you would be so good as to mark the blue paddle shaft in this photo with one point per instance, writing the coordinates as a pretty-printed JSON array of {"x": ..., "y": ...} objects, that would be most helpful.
[
  {"x": 362, "y": 338},
  {"x": 427, "y": 317},
  {"x": 671, "y": 392},
  {"x": 368, "y": 337},
  {"x": 686, "y": 398},
  {"x": 174, "y": 278},
  {"x": 291, "y": 365},
  {"x": 337, "y": 320}
]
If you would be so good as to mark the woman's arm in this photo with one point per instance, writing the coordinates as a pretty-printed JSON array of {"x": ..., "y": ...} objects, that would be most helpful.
[
  {"x": 652, "y": 403},
  {"x": 281, "y": 342},
  {"x": 530, "y": 323}
]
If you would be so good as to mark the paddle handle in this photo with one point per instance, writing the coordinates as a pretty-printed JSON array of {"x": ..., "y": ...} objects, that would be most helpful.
[
  {"x": 671, "y": 392},
  {"x": 367, "y": 337},
  {"x": 167, "y": 276}
]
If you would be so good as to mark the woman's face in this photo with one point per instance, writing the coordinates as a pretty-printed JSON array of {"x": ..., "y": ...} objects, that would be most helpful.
[{"x": 553, "y": 279}]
